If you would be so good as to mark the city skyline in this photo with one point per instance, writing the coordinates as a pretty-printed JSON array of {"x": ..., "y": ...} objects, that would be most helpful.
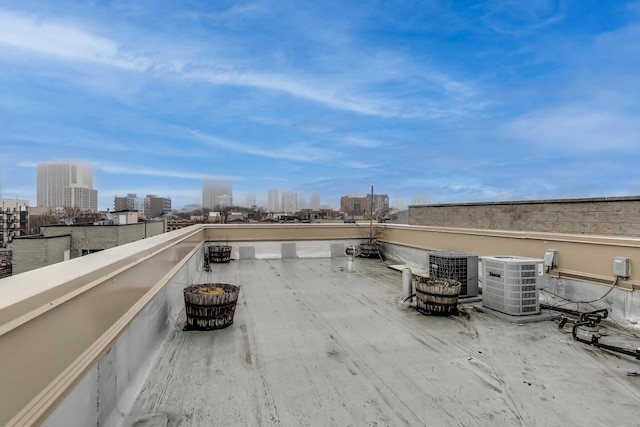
[
  {"x": 490, "y": 101},
  {"x": 54, "y": 179}
]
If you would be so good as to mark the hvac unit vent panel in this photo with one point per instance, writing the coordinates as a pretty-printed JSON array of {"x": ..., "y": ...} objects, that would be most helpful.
[
  {"x": 510, "y": 284},
  {"x": 460, "y": 266}
]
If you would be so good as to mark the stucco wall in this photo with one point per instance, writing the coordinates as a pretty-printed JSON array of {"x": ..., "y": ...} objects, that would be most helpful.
[{"x": 617, "y": 216}]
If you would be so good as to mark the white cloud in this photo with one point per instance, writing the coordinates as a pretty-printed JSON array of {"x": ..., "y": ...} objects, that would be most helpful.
[
  {"x": 160, "y": 172},
  {"x": 64, "y": 41},
  {"x": 297, "y": 152},
  {"x": 331, "y": 96},
  {"x": 358, "y": 165},
  {"x": 519, "y": 17},
  {"x": 351, "y": 89},
  {"x": 357, "y": 141}
]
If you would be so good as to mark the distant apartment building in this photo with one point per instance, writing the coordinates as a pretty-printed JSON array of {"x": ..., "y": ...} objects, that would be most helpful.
[
  {"x": 289, "y": 202},
  {"x": 314, "y": 201},
  {"x": 130, "y": 202},
  {"x": 14, "y": 219},
  {"x": 376, "y": 203},
  {"x": 156, "y": 207},
  {"x": 151, "y": 206},
  {"x": 66, "y": 185},
  {"x": 85, "y": 199},
  {"x": 353, "y": 205},
  {"x": 217, "y": 194},
  {"x": 302, "y": 203},
  {"x": 273, "y": 200}
]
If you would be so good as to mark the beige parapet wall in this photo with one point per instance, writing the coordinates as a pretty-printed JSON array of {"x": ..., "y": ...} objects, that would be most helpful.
[
  {"x": 579, "y": 256},
  {"x": 285, "y": 232},
  {"x": 58, "y": 321}
]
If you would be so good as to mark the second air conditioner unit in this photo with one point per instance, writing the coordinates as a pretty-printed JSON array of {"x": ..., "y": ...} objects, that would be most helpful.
[
  {"x": 457, "y": 265},
  {"x": 510, "y": 284}
]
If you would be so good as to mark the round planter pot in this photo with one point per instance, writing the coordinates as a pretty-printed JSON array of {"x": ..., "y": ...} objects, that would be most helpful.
[
  {"x": 219, "y": 254},
  {"x": 210, "y": 305},
  {"x": 437, "y": 296}
]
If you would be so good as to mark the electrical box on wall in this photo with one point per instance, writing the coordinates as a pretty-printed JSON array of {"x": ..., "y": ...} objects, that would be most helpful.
[
  {"x": 551, "y": 258},
  {"x": 621, "y": 267}
]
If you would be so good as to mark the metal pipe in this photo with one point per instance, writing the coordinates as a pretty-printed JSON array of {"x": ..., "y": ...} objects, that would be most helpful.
[{"x": 407, "y": 283}]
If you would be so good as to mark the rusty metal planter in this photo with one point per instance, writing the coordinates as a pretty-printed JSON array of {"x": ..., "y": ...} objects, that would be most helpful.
[
  {"x": 437, "y": 296},
  {"x": 206, "y": 312}
]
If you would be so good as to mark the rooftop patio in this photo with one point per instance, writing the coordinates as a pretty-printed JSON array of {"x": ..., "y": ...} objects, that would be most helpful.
[
  {"x": 313, "y": 344},
  {"x": 99, "y": 340}
]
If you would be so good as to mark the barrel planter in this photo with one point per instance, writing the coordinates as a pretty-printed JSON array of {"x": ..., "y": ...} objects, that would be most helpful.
[
  {"x": 219, "y": 254},
  {"x": 210, "y": 305},
  {"x": 369, "y": 249},
  {"x": 437, "y": 296}
]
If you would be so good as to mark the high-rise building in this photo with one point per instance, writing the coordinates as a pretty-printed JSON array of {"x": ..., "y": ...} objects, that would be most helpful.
[
  {"x": 273, "y": 200},
  {"x": 66, "y": 185},
  {"x": 289, "y": 202},
  {"x": 217, "y": 194},
  {"x": 155, "y": 207},
  {"x": 302, "y": 203},
  {"x": 83, "y": 198},
  {"x": 314, "y": 201}
]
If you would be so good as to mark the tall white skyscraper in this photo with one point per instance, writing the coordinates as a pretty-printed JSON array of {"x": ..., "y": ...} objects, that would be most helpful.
[
  {"x": 66, "y": 185},
  {"x": 314, "y": 201},
  {"x": 289, "y": 201},
  {"x": 273, "y": 200},
  {"x": 217, "y": 193},
  {"x": 302, "y": 203}
]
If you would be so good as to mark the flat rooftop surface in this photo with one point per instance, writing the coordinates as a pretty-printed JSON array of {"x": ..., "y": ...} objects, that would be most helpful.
[{"x": 314, "y": 344}]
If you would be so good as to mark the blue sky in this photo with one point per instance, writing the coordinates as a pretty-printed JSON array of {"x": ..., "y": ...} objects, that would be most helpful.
[{"x": 461, "y": 101}]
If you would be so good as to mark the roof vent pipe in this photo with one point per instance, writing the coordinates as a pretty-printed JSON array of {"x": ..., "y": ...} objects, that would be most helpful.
[
  {"x": 407, "y": 283},
  {"x": 351, "y": 252}
]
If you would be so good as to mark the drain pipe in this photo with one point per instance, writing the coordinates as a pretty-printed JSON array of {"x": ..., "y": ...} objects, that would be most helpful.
[{"x": 407, "y": 284}]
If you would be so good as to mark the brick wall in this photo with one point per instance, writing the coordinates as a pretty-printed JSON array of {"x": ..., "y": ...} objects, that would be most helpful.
[
  {"x": 31, "y": 253},
  {"x": 614, "y": 216},
  {"x": 93, "y": 237}
]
